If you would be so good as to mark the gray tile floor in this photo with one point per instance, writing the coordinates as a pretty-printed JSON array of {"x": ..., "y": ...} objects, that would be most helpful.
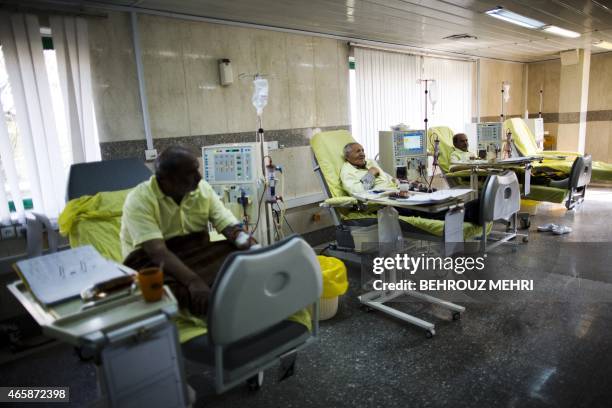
[{"x": 547, "y": 348}]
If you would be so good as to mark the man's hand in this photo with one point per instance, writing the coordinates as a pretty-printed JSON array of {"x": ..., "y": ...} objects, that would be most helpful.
[
  {"x": 373, "y": 171},
  {"x": 244, "y": 240},
  {"x": 239, "y": 237},
  {"x": 199, "y": 293}
]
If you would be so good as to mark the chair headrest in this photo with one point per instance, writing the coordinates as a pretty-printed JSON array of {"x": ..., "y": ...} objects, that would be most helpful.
[
  {"x": 328, "y": 148},
  {"x": 582, "y": 168},
  {"x": 523, "y": 139},
  {"x": 500, "y": 197},
  {"x": 255, "y": 290},
  {"x": 107, "y": 175}
]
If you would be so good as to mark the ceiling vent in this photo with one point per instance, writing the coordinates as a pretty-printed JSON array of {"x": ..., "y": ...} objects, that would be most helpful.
[{"x": 456, "y": 37}]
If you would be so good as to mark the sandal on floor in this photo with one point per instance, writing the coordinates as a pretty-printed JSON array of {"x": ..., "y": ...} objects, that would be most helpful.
[
  {"x": 561, "y": 229},
  {"x": 547, "y": 227}
]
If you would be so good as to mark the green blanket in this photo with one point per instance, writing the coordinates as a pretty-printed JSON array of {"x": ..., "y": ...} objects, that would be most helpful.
[
  {"x": 427, "y": 225},
  {"x": 96, "y": 220}
]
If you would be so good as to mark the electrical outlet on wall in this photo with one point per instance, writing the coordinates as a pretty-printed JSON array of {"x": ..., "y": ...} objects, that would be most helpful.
[
  {"x": 150, "y": 154},
  {"x": 8, "y": 232},
  {"x": 21, "y": 231}
]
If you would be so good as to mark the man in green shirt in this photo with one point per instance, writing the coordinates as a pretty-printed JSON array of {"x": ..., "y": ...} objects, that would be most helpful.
[
  {"x": 461, "y": 153},
  {"x": 165, "y": 223},
  {"x": 358, "y": 174}
]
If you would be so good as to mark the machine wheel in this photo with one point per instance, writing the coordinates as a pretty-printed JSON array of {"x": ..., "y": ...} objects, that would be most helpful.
[
  {"x": 456, "y": 316},
  {"x": 525, "y": 239},
  {"x": 85, "y": 354},
  {"x": 255, "y": 382},
  {"x": 429, "y": 334}
]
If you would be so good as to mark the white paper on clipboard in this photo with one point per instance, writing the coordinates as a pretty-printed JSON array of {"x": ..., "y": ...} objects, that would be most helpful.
[{"x": 63, "y": 275}]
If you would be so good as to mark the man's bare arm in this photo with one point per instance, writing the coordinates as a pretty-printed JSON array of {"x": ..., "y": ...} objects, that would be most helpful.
[
  {"x": 160, "y": 254},
  {"x": 173, "y": 266}
]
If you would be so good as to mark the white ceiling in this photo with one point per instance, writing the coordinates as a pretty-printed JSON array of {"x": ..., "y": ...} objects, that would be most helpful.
[{"x": 416, "y": 23}]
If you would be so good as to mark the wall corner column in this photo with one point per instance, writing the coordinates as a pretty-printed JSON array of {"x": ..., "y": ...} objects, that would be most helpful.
[{"x": 573, "y": 103}]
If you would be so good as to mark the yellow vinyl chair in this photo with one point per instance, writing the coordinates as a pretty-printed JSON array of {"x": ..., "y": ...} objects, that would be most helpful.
[
  {"x": 555, "y": 192},
  {"x": 556, "y": 162},
  {"x": 347, "y": 213}
]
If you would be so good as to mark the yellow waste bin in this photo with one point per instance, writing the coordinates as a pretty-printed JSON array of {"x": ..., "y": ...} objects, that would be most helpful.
[
  {"x": 529, "y": 206},
  {"x": 334, "y": 284}
]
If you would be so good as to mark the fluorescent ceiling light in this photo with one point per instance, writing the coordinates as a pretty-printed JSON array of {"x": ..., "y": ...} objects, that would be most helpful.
[
  {"x": 515, "y": 18},
  {"x": 561, "y": 31},
  {"x": 604, "y": 44}
]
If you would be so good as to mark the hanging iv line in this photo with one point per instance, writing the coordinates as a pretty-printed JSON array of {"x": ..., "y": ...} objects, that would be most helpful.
[
  {"x": 541, "y": 101},
  {"x": 431, "y": 93},
  {"x": 505, "y": 97}
]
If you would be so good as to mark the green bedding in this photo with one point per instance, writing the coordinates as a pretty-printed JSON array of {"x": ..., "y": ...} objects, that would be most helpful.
[
  {"x": 427, "y": 225},
  {"x": 526, "y": 145}
]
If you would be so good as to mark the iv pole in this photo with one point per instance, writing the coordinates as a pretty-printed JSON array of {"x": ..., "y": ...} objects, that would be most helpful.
[
  {"x": 437, "y": 140},
  {"x": 426, "y": 120},
  {"x": 502, "y": 102},
  {"x": 541, "y": 100},
  {"x": 260, "y": 138}
]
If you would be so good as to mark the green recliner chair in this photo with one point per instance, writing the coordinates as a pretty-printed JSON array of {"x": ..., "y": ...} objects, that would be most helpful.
[
  {"x": 559, "y": 163},
  {"x": 347, "y": 213},
  {"x": 555, "y": 192}
]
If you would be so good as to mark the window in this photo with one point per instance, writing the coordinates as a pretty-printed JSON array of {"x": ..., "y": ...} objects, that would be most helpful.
[
  {"x": 48, "y": 116},
  {"x": 385, "y": 91}
]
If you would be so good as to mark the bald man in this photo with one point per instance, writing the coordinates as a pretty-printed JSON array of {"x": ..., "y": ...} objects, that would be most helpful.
[
  {"x": 165, "y": 222},
  {"x": 460, "y": 152},
  {"x": 359, "y": 174}
]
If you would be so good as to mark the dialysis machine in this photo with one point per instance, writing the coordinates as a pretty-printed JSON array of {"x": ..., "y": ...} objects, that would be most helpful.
[
  {"x": 490, "y": 137},
  {"x": 403, "y": 154},
  {"x": 493, "y": 143},
  {"x": 235, "y": 172}
]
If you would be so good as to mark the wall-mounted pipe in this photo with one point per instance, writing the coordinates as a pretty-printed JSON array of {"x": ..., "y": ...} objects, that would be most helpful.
[{"x": 144, "y": 104}]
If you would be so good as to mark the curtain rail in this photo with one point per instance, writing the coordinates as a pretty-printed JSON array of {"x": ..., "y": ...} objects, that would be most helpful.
[{"x": 412, "y": 51}]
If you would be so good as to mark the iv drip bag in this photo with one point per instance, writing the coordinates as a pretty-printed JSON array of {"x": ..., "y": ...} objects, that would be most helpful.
[
  {"x": 260, "y": 94},
  {"x": 506, "y": 87},
  {"x": 433, "y": 94}
]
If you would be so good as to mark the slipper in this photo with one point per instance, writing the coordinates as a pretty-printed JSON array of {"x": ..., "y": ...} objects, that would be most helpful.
[
  {"x": 561, "y": 229},
  {"x": 547, "y": 227}
]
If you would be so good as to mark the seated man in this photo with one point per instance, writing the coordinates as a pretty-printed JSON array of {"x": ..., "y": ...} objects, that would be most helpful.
[
  {"x": 165, "y": 223},
  {"x": 358, "y": 174},
  {"x": 461, "y": 153}
]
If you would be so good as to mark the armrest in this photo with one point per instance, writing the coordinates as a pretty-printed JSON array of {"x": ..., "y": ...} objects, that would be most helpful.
[
  {"x": 560, "y": 183},
  {"x": 459, "y": 171},
  {"x": 34, "y": 234},
  {"x": 343, "y": 201},
  {"x": 548, "y": 154}
]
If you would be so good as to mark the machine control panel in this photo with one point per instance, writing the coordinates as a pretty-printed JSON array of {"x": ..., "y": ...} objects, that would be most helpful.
[
  {"x": 228, "y": 164},
  {"x": 490, "y": 139},
  {"x": 403, "y": 154},
  {"x": 407, "y": 144}
]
